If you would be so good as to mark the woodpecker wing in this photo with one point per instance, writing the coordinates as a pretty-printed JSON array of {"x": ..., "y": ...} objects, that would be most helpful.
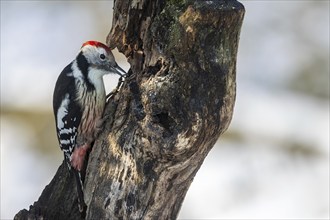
[{"x": 67, "y": 111}]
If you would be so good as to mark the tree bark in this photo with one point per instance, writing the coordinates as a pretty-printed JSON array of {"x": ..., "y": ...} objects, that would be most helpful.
[{"x": 177, "y": 100}]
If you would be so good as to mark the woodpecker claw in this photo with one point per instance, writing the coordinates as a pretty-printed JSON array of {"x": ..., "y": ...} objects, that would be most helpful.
[{"x": 118, "y": 87}]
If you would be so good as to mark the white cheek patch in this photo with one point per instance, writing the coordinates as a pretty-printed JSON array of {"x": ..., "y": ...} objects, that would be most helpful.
[
  {"x": 62, "y": 112},
  {"x": 95, "y": 77}
]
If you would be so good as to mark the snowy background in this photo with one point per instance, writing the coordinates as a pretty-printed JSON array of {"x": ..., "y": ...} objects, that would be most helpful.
[{"x": 272, "y": 163}]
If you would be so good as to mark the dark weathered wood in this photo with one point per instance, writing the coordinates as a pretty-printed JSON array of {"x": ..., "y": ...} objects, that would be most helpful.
[
  {"x": 57, "y": 201},
  {"x": 175, "y": 103}
]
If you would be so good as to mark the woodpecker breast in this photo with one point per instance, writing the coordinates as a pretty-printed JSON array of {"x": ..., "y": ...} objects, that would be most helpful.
[{"x": 90, "y": 94}]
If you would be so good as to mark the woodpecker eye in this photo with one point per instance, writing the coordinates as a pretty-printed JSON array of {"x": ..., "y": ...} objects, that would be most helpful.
[{"x": 102, "y": 56}]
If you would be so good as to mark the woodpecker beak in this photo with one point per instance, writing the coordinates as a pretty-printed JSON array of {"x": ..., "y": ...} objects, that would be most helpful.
[{"x": 117, "y": 69}]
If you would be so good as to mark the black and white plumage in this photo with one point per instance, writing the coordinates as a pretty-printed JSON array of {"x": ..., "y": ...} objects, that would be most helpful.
[{"x": 78, "y": 103}]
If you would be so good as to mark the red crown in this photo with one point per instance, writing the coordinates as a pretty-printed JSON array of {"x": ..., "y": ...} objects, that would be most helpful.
[{"x": 96, "y": 44}]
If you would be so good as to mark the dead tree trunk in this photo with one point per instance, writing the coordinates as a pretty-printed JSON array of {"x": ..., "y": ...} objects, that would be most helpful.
[{"x": 175, "y": 103}]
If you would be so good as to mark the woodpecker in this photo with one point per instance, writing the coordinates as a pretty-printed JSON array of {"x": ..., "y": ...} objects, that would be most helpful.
[{"x": 78, "y": 103}]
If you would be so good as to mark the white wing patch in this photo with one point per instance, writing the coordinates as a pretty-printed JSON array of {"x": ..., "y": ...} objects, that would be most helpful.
[
  {"x": 66, "y": 130},
  {"x": 62, "y": 112}
]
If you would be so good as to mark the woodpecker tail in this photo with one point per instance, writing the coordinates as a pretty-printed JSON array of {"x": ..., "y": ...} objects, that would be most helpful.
[{"x": 81, "y": 203}]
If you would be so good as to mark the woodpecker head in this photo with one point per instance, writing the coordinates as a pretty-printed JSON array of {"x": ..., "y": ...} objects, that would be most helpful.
[{"x": 100, "y": 57}]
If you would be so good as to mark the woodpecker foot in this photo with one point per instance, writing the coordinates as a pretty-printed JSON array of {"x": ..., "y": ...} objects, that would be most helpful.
[
  {"x": 111, "y": 94},
  {"x": 118, "y": 87},
  {"x": 78, "y": 156}
]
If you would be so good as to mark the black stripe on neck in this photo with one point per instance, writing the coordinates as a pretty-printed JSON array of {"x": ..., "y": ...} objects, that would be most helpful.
[{"x": 83, "y": 65}]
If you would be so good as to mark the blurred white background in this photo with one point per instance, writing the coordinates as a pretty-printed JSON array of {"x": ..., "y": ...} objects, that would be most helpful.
[{"x": 272, "y": 163}]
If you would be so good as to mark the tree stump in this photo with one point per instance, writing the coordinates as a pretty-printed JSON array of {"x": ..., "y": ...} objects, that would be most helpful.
[{"x": 176, "y": 101}]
